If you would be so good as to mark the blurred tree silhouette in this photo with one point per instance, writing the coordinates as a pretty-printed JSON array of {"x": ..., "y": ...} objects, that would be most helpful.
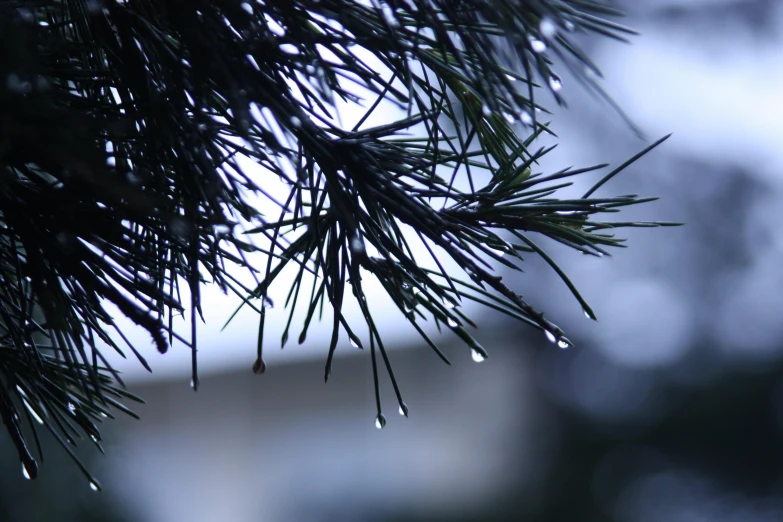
[{"x": 124, "y": 125}]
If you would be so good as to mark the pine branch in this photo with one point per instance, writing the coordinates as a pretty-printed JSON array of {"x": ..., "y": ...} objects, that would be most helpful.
[{"x": 123, "y": 126}]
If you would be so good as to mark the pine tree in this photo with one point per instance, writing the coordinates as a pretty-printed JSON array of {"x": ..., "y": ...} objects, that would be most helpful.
[{"x": 123, "y": 127}]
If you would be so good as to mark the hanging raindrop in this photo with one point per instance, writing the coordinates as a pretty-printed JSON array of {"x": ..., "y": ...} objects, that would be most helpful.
[
  {"x": 25, "y": 473},
  {"x": 555, "y": 83},
  {"x": 526, "y": 118},
  {"x": 537, "y": 45},
  {"x": 403, "y": 409},
  {"x": 563, "y": 344},
  {"x": 408, "y": 297},
  {"x": 550, "y": 336},
  {"x": 547, "y": 27},
  {"x": 452, "y": 323},
  {"x": 380, "y": 421},
  {"x": 357, "y": 246},
  {"x": 486, "y": 111},
  {"x": 94, "y": 486},
  {"x": 477, "y": 356},
  {"x": 355, "y": 344}
]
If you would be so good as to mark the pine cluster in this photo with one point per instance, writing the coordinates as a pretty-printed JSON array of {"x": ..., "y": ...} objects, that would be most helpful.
[{"x": 125, "y": 131}]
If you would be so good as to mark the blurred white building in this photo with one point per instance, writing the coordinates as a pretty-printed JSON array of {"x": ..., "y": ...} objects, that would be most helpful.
[{"x": 284, "y": 446}]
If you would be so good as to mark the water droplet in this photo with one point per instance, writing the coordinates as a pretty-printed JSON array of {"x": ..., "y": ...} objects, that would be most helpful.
[
  {"x": 403, "y": 409},
  {"x": 104, "y": 415},
  {"x": 355, "y": 344},
  {"x": 409, "y": 297},
  {"x": 555, "y": 83},
  {"x": 452, "y": 323},
  {"x": 563, "y": 344},
  {"x": 547, "y": 27},
  {"x": 380, "y": 421},
  {"x": 246, "y": 7},
  {"x": 486, "y": 111},
  {"x": 526, "y": 118},
  {"x": 537, "y": 45},
  {"x": 72, "y": 408},
  {"x": 94, "y": 486},
  {"x": 550, "y": 336},
  {"x": 477, "y": 356},
  {"x": 275, "y": 28},
  {"x": 588, "y": 315},
  {"x": 288, "y": 48},
  {"x": 25, "y": 473},
  {"x": 511, "y": 78},
  {"x": 296, "y": 122},
  {"x": 259, "y": 366},
  {"x": 509, "y": 117},
  {"x": 268, "y": 303},
  {"x": 192, "y": 383},
  {"x": 357, "y": 246},
  {"x": 94, "y": 438}
]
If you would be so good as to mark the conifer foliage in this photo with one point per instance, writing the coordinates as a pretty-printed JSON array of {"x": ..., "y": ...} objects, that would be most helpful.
[{"x": 125, "y": 133}]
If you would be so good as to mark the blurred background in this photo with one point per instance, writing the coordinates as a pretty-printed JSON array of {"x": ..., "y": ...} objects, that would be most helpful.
[{"x": 669, "y": 409}]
